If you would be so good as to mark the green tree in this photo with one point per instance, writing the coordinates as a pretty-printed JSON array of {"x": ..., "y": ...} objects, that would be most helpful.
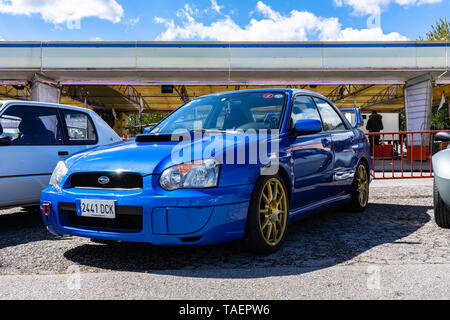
[
  {"x": 440, "y": 119},
  {"x": 147, "y": 119},
  {"x": 440, "y": 31}
]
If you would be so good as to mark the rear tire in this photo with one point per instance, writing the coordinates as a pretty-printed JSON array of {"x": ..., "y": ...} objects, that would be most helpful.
[
  {"x": 268, "y": 216},
  {"x": 360, "y": 190},
  {"x": 441, "y": 210}
]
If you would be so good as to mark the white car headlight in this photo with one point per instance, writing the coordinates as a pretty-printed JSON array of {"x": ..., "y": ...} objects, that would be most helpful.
[
  {"x": 58, "y": 174},
  {"x": 193, "y": 175}
]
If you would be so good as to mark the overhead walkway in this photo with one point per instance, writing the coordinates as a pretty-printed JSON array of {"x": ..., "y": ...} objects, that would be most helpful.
[{"x": 223, "y": 63}]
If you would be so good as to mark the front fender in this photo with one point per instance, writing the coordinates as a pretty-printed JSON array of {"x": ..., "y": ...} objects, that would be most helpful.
[{"x": 441, "y": 169}]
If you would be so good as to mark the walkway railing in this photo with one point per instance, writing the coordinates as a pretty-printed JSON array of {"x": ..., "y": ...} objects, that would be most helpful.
[{"x": 404, "y": 155}]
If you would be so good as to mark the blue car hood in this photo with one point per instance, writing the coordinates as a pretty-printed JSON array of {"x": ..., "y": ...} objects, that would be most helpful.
[
  {"x": 130, "y": 157},
  {"x": 146, "y": 158}
]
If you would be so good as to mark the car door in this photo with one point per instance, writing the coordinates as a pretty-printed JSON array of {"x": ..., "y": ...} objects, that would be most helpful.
[
  {"x": 36, "y": 143},
  {"x": 343, "y": 140},
  {"x": 312, "y": 157}
]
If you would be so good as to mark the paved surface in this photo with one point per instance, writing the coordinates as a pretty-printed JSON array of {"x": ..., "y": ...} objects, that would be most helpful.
[
  {"x": 416, "y": 166},
  {"x": 392, "y": 251}
]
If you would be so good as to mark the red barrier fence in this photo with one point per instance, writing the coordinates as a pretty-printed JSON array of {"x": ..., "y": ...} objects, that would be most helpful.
[{"x": 404, "y": 155}]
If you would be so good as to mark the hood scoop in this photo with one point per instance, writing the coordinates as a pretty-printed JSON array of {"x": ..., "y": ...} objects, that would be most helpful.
[
  {"x": 189, "y": 136},
  {"x": 148, "y": 138}
]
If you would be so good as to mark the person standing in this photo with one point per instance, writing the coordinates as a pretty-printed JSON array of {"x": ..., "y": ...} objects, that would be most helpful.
[{"x": 375, "y": 125}]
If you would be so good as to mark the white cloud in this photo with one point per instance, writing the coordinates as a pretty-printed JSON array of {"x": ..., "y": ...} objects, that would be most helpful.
[
  {"x": 62, "y": 11},
  {"x": 365, "y": 7},
  {"x": 273, "y": 26},
  {"x": 132, "y": 21},
  {"x": 377, "y": 34}
]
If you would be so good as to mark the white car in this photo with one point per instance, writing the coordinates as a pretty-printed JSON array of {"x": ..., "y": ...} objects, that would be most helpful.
[{"x": 34, "y": 137}]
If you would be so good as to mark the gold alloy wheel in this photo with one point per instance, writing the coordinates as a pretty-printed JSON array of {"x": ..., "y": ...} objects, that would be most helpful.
[
  {"x": 362, "y": 180},
  {"x": 273, "y": 212}
]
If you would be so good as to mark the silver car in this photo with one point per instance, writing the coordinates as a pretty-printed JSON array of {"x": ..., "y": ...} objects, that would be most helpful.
[
  {"x": 441, "y": 168},
  {"x": 34, "y": 136}
]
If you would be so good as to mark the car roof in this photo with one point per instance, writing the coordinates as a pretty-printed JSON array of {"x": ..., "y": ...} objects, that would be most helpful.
[
  {"x": 281, "y": 90},
  {"x": 5, "y": 103}
]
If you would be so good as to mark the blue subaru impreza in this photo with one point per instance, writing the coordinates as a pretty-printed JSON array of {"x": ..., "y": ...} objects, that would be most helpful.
[{"x": 224, "y": 167}]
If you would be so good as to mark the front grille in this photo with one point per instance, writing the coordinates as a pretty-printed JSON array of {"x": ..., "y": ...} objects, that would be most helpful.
[
  {"x": 117, "y": 180},
  {"x": 128, "y": 219}
]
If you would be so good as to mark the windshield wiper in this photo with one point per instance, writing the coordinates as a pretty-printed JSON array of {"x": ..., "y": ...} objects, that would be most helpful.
[{"x": 212, "y": 131}]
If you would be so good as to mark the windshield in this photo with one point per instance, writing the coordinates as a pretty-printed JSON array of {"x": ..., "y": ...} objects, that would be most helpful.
[{"x": 237, "y": 111}]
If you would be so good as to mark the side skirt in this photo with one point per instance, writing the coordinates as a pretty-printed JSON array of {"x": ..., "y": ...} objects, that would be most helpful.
[{"x": 318, "y": 206}]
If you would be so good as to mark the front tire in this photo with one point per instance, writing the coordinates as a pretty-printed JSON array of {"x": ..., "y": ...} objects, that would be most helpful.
[
  {"x": 268, "y": 216},
  {"x": 441, "y": 210}
]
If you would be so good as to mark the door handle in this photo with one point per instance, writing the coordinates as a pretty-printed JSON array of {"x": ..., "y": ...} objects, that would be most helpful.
[
  {"x": 63, "y": 153},
  {"x": 326, "y": 142}
]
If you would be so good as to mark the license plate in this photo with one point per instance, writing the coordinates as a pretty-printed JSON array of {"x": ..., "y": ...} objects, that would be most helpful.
[{"x": 96, "y": 209}]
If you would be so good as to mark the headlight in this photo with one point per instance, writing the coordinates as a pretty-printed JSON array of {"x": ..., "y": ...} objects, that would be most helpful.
[
  {"x": 58, "y": 174},
  {"x": 194, "y": 175}
]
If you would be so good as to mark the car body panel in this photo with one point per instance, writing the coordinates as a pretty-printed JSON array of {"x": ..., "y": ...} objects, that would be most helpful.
[
  {"x": 317, "y": 169},
  {"x": 441, "y": 168},
  {"x": 26, "y": 169},
  {"x": 312, "y": 168},
  {"x": 226, "y": 221}
]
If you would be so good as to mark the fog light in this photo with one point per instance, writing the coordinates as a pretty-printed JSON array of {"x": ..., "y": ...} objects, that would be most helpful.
[{"x": 47, "y": 209}]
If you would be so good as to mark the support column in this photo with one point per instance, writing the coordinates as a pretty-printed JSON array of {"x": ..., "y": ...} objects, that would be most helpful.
[
  {"x": 44, "y": 89},
  {"x": 418, "y": 107}
]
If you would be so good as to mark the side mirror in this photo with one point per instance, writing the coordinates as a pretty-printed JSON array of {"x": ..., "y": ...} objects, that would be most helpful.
[
  {"x": 148, "y": 129},
  {"x": 359, "y": 121},
  {"x": 442, "y": 136},
  {"x": 308, "y": 126},
  {"x": 5, "y": 140}
]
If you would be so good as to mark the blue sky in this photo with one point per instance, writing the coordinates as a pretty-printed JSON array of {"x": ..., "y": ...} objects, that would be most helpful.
[{"x": 219, "y": 20}]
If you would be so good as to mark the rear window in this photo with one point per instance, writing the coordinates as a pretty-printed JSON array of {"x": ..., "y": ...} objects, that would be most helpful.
[
  {"x": 80, "y": 128},
  {"x": 330, "y": 118}
]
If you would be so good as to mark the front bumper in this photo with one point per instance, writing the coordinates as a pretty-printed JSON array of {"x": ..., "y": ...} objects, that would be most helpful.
[{"x": 182, "y": 217}]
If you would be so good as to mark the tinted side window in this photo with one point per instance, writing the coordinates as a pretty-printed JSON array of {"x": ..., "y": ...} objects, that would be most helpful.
[
  {"x": 80, "y": 129},
  {"x": 32, "y": 126},
  {"x": 304, "y": 108},
  {"x": 330, "y": 118}
]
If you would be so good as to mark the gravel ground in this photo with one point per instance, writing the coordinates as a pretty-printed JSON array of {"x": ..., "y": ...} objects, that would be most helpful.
[{"x": 397, "y": 229}]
